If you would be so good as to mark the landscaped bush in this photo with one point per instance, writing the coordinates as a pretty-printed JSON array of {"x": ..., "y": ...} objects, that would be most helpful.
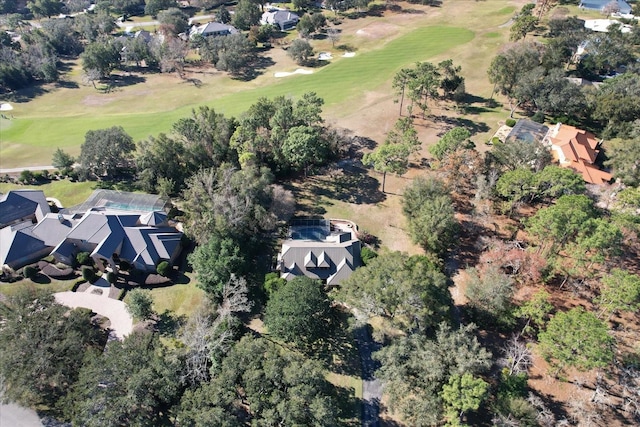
[
  {"x": 510, "y": 122},
  {"x": 538, "y": 117},
  {"x": 112, "y": 277},
  {"x": 30, "y": 272},
  {"x": 367, "y": 255},
  {"x": 89, "y": 275},
  {"x": 164, "y": 268},
  {"x": 77, "y": 284},
  {"x": 83, "y": 258}
]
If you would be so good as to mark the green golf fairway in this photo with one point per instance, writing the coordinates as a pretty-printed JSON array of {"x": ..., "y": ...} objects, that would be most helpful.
[{"x": 32, "y": 137}]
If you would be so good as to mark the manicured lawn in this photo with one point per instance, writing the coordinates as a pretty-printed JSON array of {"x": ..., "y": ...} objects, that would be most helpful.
[
  {"x": 180, "y": 299},
  {"x": 69, "y": 193},
  {"x": 9, "y": 289},
  {"x": 145, "y": 110}
]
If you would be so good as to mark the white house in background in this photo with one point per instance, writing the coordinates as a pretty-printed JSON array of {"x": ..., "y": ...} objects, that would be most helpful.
[
  {"x": 328, "y": 250},
  {"x": 281, "y": 18},
  {"x": 602, "y": 25},
  {"x": 212, "y": 29}
]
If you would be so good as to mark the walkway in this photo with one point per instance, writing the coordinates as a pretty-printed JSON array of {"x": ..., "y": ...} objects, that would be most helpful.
[{"x": 115, "y": 310}]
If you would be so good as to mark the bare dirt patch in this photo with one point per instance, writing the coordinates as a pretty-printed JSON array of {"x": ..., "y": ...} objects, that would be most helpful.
[
  {"x": 377, "y": 30},
  {"x": 97, "y": 100}
]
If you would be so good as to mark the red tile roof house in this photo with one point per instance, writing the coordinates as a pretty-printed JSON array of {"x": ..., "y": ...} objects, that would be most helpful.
[{"x": 578, "y": 150}]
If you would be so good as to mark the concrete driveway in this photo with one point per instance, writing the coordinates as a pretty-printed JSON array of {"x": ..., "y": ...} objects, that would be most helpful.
[{"x": 116, "y": 311}]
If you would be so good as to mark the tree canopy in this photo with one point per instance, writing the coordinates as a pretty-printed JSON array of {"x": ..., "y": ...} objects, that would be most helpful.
[
  {"x": 577, "y": 338},
  {"x": 430, "y": 213},
  {"x": 409, "y": 290},
  {"x": 43, "y": 346},
  {"x": 266, "y": 384},
  {"x": 415, "y": 369},
  {"x": 106, "y": 151},
  {"x": 299, "y": 312},
  {"x": 133, "y": 383}
]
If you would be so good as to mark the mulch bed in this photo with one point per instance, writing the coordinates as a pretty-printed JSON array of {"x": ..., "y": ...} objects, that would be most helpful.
[
  {"x": 156, "y": 279},
  {"x": 54, "y": 272}
]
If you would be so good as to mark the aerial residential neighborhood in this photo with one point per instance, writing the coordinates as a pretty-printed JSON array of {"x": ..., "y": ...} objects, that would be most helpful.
[{"x": 320, "y": 213}]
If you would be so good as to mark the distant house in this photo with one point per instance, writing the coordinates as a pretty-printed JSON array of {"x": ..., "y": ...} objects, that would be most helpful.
[
  {"x": 212, "y": 29},
  {"x": 578, "y": 150},
  {"x": 526, "y": 130},
  {"x": 320, "y": 249},
  {"x": 281, "y": 18},
  {"x": 623, "y": 6},
  {"x": 111, "y": 226}
]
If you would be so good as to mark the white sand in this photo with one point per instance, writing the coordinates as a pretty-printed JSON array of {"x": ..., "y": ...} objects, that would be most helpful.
[
  {"x": 6, "y": 107},
  {"x": 298, "y": 71},
  {"x": 324, "y": 56},
  {"x": 349, "y": 55}
]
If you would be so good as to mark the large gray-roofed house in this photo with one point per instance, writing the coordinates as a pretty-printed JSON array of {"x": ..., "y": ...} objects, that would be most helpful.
[
  {"x": 18, "y": 246},
  {"x": 115, "y": 226},
  {"x": 22, "y": 205},
  {"x": 327, "y": 251},
  {"x": 111, "y": 235}
]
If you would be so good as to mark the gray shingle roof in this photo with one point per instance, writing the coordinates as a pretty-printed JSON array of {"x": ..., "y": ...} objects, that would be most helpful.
[{"x": 19, "y": 204}]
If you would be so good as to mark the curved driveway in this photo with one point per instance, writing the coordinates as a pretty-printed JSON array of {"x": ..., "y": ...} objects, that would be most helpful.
[{"x": 116, "y": 311}]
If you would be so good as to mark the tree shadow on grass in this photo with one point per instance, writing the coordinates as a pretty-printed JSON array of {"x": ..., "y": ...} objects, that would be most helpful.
[
  {"x": 116, "y": 81},
  {"x": 26, "y": 94},
  {"x": 339, "y": 352},
  {"x": 474, "y": 127},
  {"x": 256, "y": 68},
  {"x": 168, "y": 323},
  {"x": 349, "y": 406},
  {"x": 347, "y": 181}
]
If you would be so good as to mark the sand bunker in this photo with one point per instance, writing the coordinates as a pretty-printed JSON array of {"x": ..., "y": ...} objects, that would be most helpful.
[
  {"x": 298, "y": 71},
  {"x": 324, "y": 56},
  {"x": 349, "y": 55},
  {"x": 6, "y": 107}
]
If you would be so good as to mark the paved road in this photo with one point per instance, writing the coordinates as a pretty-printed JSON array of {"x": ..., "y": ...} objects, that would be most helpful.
[
  {"x": 130, "y": 24},
  {"x": 12, "y": 415},
  {"x": 27, "y": 168},
  {"x": 371, "y": 387}
]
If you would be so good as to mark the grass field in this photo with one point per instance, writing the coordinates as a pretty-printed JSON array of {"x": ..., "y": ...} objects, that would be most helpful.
[
  {"x": 61, "y": 117},
  {"x": 69, "y": 193},
  {"x": 10, "y": 289}
]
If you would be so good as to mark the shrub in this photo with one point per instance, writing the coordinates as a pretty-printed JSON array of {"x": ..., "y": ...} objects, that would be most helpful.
[
  {"x": 124, "y": 265},
  {"x": 367, "y": 255},
  {"x": 164, "y": 268},
  {"x": 112, "y": 277},
  {"x": 140, "y": 304},
  {"x": 538, "y": 117},
  {"x": 89, "y": 275},
  {"x": 84, "y": 258},
  {"x": 30, "y": 272},
  {"x": 510, "y": 122},
  {"x": 77, "y": 284}
]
